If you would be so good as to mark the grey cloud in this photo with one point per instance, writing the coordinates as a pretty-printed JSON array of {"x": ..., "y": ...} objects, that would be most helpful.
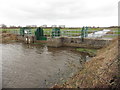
[
  {"x": 75, "y": 12},
  {"x": 57, "y": 10}
]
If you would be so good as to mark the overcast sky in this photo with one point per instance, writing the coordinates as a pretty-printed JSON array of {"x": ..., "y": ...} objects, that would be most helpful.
[{"x": 59, "y": 12}]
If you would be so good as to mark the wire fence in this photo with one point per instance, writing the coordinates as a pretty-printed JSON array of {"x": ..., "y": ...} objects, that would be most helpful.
[
  {"x": 90, "y": 33},
  {"x": 16, "y": 31}
]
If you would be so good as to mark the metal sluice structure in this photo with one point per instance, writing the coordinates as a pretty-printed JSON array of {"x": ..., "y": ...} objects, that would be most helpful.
[{"x": 39, "y": 34}]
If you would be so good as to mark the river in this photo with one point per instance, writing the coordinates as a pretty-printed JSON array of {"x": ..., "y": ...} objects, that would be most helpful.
[{"x": 38, "y": 66}]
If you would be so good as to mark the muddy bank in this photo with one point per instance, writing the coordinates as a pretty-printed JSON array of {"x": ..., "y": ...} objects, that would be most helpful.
[
  {"x": 100, "y": 72},
  {"x": 7, "y": 38}
]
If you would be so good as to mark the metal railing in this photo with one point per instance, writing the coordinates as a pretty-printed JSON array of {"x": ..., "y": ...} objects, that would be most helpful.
[
  {"x": 70, "y": 33},
  {"x": 77, "y": 33}
]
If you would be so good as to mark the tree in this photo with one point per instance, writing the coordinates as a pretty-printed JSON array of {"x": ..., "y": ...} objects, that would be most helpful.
[{"x": 3, "y": 26}]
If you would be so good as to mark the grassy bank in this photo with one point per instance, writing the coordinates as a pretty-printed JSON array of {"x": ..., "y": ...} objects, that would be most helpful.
[{"x": 90, "y": 52}]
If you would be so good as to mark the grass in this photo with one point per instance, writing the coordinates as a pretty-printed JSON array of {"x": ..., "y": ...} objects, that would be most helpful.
[
  {"x": 110, "y": 36},
  {"x": 91, "y": 52},
  {"x": 95, "y": 29},
  {"x": 16, "y": 31},
  {"x": 71, "y": 32},
  {"x": 114, "y": 31}
]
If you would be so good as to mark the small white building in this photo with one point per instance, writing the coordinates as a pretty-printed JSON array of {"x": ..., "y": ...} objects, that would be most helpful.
[
  {"x": 62, "y": 26},
  {"x": 44, "y": 26},
  {"x": 54, "y": 26}
]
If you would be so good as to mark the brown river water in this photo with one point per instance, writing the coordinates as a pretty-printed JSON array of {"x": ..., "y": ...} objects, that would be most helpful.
[{"x": 38, "y": 66}]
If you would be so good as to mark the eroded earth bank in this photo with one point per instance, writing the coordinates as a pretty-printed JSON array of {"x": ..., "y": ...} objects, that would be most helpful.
[{"x": 100, "y": 72}]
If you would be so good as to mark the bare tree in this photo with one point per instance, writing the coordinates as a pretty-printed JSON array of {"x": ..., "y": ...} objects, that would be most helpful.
[{"x": 3, "y": 26}]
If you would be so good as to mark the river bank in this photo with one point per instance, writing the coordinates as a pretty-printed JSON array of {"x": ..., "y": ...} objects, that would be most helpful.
[
  {"x": 100, "y": 72},
  {"x": 7, "y": 37}
]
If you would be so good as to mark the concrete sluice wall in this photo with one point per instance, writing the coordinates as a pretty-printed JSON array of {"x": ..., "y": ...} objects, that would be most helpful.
[
  {"x": 54, "y": 42},
  {"x": 27, "y": 39},
  {"x": 30, "y": 39},
  {"x": 77, "y": 42},
  {"x": 89, "y": 43},
  {"x": 66, "y": 41}
]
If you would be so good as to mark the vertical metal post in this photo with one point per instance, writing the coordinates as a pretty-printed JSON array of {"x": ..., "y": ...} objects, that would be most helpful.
[
  {"x": 82, "y": 34},
  {"x": 86, "y": 31}
]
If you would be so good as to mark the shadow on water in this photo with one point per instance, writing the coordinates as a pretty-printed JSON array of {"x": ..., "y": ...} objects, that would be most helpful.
[{"x": 35, "y": 66}]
